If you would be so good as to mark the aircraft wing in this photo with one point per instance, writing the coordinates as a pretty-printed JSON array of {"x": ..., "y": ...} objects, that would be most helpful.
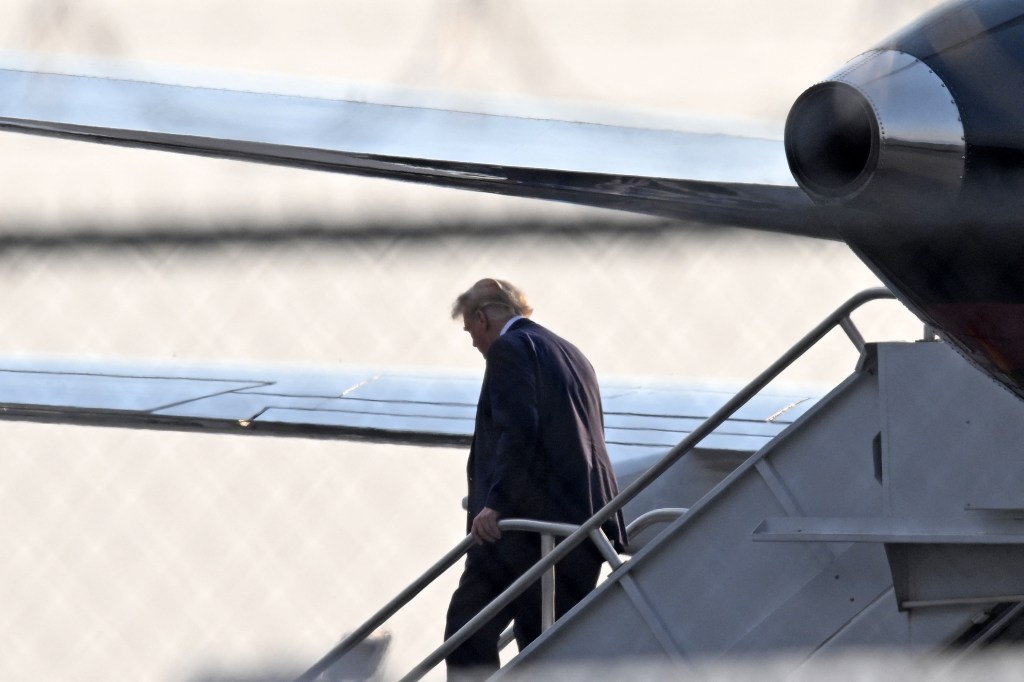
[
  {"x": 643, "y": 418},
  {"x": 710, "y": 178}
]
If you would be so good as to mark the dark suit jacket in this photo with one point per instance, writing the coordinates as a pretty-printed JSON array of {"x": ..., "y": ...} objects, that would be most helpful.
[{"x": 538, "y": 448}]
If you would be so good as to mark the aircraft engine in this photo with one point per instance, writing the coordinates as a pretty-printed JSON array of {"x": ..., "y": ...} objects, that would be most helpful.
[
  {"x": 886, "y": 126},
  {"x": 927, "y": 120}
]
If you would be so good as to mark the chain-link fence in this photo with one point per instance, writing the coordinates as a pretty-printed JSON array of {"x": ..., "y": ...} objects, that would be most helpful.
[
  {"x": 170, "y": 556},
  {"x": 157, "y": 555}
]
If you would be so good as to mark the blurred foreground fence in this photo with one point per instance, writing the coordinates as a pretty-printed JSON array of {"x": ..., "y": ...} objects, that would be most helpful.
[{"x": 167, "y": 556}]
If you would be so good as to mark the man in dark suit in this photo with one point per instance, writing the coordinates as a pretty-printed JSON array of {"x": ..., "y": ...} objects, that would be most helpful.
[{"x": 538, "y": 453}]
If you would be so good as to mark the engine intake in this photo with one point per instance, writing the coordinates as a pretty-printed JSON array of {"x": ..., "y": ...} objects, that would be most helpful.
[{"x": 885, "y": 127}]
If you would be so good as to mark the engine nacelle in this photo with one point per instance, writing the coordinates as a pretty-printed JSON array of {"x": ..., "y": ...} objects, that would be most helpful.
[{"x": 884, "y": 130}]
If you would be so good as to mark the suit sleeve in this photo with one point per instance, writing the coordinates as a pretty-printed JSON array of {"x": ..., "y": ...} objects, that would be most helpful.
[{"x": 516, "y": 417}]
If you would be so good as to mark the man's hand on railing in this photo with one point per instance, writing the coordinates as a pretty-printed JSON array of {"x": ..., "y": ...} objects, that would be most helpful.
[{"x": 485, "y": 526}]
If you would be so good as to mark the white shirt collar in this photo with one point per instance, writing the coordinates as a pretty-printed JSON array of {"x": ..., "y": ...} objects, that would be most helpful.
[{"x": 509, "y": 324}]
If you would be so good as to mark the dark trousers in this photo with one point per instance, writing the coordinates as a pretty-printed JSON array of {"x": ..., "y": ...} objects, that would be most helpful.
[{"x": 491, "y": 568}]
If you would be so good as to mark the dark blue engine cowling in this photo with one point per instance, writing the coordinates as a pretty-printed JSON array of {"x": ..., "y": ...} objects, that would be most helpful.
[
  {"x": 931, "y": 116},
  {"x": 977, "y": 48}
]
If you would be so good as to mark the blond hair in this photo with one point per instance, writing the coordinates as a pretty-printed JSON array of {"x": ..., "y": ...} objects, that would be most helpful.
[{"x": 491, "y": 293}]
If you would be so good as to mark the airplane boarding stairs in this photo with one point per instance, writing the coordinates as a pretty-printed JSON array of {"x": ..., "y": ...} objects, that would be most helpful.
[{"x": 890, "y": 515}]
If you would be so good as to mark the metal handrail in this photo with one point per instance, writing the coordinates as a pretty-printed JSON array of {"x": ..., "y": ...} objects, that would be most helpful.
[
  {"x": 652, "y": 518},
  {"x": 640, "y": 523},
  {"x": 548, "y": 531},
  {"x": 840, "y": 317},
  {"x": 575, "y": 535}
]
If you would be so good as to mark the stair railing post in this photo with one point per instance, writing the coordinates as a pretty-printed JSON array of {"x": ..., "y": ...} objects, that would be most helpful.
[{"x": 547, "y": 584}]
